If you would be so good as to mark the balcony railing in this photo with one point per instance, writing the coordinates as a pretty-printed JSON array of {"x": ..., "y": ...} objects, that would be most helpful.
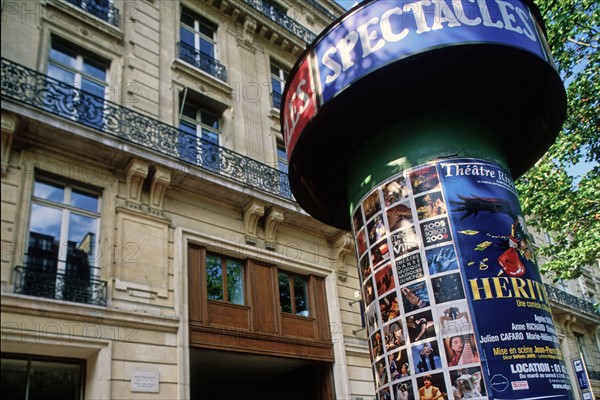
[
  {"x": 571, "y": 301},
  {"x": 201, "y": 60},
  {"x": 60, "y": 286},
  {"x": 29, "y": 87},
  {"x": 102, "y": 9},
  {"x": 316, "y": 5},
  {"x": 281, "y": 19}
]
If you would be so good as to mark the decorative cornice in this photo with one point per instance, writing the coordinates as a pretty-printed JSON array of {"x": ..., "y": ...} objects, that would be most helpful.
[
  {"x": 10, "y": 125},
  {"x": 160, "y": 181},
  {"x": 252, "y": 212},
  {"x": 343, "y": 246},
  {"x": 272, "y": 220},
  {"x": 248, "y": 31},
  {"x": 137, "y": 171},
  {"x": 567, "y": 321}
]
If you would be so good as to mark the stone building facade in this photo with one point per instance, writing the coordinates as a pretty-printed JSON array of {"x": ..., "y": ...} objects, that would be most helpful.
[{"x": 151, "y": 247}]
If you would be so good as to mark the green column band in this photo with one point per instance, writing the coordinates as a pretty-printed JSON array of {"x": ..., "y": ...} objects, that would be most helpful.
[{"x": 417, "y": 141}]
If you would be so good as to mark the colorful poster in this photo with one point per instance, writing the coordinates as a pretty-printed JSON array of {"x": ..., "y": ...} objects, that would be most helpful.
[
  {"x": 454, "y": 301},
  {"x": 521, "y": 349}
]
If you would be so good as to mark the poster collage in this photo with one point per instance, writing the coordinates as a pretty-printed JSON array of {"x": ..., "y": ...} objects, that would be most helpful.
[{"x": 419, "y": 327}]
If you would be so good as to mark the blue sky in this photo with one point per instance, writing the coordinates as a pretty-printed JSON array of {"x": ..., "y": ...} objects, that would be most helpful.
[{"x": 346, "y": 3}]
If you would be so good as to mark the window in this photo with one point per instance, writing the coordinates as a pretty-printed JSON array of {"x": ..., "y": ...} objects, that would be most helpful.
[
  {"x": 278, "y": 77},
  {"x": 582, "y": 348},
  {"x": 282, "y": 166},
  {"x": 224, "y": 279},
  {"x": 85, "y": 79},
  {"x": 199, "y": 142},
  {"x": 62, "y": 241},
  {"x": 293, "y": 298},
  {"x": 37, "y": 378},
  {"x": 197, "y": 44}
]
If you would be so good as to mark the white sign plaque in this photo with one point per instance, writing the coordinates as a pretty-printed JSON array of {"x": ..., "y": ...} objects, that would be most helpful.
[{"x": 143, "y": 381}]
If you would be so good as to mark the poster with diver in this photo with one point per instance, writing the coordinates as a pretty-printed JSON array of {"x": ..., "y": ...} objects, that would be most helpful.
[{"x": 512, "y": 322}]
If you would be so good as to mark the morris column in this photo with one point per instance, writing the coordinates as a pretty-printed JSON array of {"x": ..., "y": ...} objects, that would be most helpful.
[{"x": 406, "y": 122}]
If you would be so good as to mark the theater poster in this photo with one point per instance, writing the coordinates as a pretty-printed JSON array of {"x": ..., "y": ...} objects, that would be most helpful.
[{"x": 511, "y": 314}]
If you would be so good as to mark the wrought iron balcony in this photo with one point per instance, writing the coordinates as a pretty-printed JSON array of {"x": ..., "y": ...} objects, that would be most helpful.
[
  {"x": 275, "y": 15},
  {"x": 37, "y": 282},
  {"x": 315, "y": 4},
  {"x": 201, "y": 60},
  {"x": 29, "y": 87},
  {"x": 571, "y": 301},
  {"x": 102, "y": 9}
]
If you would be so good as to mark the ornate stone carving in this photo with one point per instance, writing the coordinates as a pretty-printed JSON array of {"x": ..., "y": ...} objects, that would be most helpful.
[
  {"x": 160, "y": 181},
  {"x": 343, "y": 245},
  {"x": 252, "y": 212},
  {"x": 137, "y": 171},
  {"x": 272, "y": 221},
  {"x": 10, "y": 124}
]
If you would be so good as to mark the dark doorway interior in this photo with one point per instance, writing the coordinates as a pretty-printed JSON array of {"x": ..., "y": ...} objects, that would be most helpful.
[{"x": 230, "y": 375}]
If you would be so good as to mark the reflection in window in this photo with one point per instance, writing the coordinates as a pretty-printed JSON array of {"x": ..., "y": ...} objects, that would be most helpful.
[
  {"x": 278, "y": 77},
  {"x": 224, "y": 279},
  {"x": 83, "y": 98},
  {"x": 282, "y": 166},
  {"x": 293, "y": 297},
  {"x": 63, "y": 231},
  {"x": 40, "y": 378},
  {"x": 199, "y": 139},
  {"x": 197, "y": 44}
]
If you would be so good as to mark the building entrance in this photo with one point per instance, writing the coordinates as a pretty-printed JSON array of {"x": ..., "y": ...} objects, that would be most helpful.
[{"x": 231, "y": 375}]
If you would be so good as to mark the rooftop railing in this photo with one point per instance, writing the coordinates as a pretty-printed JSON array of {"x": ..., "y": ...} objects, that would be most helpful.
[
  {"x": 277, "y": 16},
  {"x": 37, "y": 90}
]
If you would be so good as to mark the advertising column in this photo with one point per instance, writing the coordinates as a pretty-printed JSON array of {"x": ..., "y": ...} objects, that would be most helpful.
[
  {"x": 406, "y": 122},
  {"x": 454, "y": 301}
]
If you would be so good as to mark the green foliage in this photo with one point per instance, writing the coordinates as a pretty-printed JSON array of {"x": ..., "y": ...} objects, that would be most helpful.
[{"x": 567, "y": 208}]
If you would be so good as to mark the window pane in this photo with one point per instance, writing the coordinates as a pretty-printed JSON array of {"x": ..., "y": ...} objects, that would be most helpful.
[
  {"x": 187, "y": 37},
  {"x": 214, "y": 278},
  {"x": 60, "y": 74},
  {"x": 187, "y": 127},
  {"x": 277, "y": 86},
  {"x": 284, "y": 293},
  {"x": 95, "y": 69},
  {"x": 81, "y": 245},
  {"x": 49, "y": 191},
  {"x": 300, "y": 296},
  {"x": 189, "y": 111},
  {"x": 274, "y": 70},
  {"x": 45, "y": 223},
  {"x": 84, "y": 200},
  {"x": 207, "y": 48},
  {"x": 209, "y": 120},
  {"x": 187, "y": 19},
  {"x": 235, "y": 282},
  {"x": 14, "y": 378},
  {"x": 210, "y": 137},
  {"x": 53, "y": 380},
  {"x": 93, "y": 88},
  {"x": 207, "y": 30},
  {"x": 60, "y": 54}
]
